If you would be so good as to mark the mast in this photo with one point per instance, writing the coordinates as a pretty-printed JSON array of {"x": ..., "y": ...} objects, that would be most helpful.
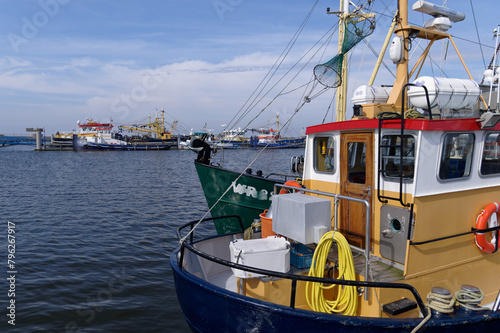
[
  {"x": 342, "y": 89},
  {"x": 495, "y": 68},
  {"x": 402, "y": 66},
  {"x": 334, "y": 73},
  {"x": 278, "y": 122}
]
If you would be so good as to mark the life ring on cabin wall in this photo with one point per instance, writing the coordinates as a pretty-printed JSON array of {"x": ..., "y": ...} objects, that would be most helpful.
[
  {"x": 484, "y": 222},
  {"x": 289, "y": 183}
]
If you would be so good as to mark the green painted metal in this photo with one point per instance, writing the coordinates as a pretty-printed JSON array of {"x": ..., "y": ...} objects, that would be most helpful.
[{"x": 246, "y": 196}]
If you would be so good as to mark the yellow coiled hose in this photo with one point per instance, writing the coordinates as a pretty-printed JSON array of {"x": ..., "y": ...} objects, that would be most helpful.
[{"x": 347, "y": 296}]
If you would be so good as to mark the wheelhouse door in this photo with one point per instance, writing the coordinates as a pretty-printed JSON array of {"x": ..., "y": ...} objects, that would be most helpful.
[{"x": 357, "y": 177}]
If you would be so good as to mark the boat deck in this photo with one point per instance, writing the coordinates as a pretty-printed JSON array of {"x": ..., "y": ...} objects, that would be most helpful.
[
  {"x": 223, "y": 276},
  {"x": 379, "y": 271}
]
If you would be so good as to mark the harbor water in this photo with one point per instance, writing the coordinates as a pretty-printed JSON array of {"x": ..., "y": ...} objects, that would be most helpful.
[{"x": 89, "y": 234}]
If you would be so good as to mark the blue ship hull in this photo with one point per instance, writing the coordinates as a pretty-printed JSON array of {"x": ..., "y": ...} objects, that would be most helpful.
[
  {"x": 208, "y": 308},
  {"x": 101, "y": 146}
]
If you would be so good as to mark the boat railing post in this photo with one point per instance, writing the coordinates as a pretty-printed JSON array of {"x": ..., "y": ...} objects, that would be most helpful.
[
  {"x": 293, "y": 293},
  {"x": 495, "y": 306},
  {"x": 181, "y": 257},
  {"x": 336, "y": 218},
  {"x": 367, "y": 245}
]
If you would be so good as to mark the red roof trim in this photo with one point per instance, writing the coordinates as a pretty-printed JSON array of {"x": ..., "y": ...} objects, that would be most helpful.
[{"x": 450, "y": 125}]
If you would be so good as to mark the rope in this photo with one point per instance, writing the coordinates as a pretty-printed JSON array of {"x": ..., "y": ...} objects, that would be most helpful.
[
  {"x": 409, "y": 114},
  {"x": 414, "y": 114},
  {"x": 422, "y": 323},
  {"x": 466, "y": 298},
  {"x": 438, "y": 302},
  {"x": 470, "y": 300},
  {"x": 441, "y": 303},
  {"x": 346, "y": 300}
]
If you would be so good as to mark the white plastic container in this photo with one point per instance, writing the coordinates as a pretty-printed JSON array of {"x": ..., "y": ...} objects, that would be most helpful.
[
  {"x": 300, "y": 217},
  {"x": 370, "y": 94},
  {"x": 444, "y": 93},
  {"x": 271, "y": 253}
]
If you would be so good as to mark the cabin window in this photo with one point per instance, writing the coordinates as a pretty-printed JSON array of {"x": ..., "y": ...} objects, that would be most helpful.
[
  {"x": 324, "y": 154},
  {"x": 456, "y": 157},
  {"x": 357, "y": 162},
  {"x": 490, "y": 163},
  {"x": 391, "y": 156}
]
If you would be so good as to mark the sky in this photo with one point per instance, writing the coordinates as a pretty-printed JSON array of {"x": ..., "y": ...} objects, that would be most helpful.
[{"x": 64, "y": 61}]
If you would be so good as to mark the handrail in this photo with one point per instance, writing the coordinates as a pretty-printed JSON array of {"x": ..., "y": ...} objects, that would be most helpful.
[
  {"x": 192, "y": 223},
  {"x": 280, "y": 174},
  {"x": 473, "y": 231},
  {"x": 336, "y": 202},
  {"x": 293, "y": 277},
  {"x": 380, "y": 162},
  {"x": 382, "y": 198}
]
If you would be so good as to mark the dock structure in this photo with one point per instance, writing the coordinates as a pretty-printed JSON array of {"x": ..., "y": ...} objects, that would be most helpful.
[
  {"x": 38, "y": 136},
  {"x": 16, "y": 140}
]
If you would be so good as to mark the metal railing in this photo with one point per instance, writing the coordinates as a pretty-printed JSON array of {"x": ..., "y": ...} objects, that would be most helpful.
[
  {"x": 337, "y": 198},
  {"x": 185, "y": 245}
]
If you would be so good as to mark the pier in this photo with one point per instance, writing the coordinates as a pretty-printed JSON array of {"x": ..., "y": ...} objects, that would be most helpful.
[
  {"x": 11, "y": 140},
  {"x": 16, "y": 140}
]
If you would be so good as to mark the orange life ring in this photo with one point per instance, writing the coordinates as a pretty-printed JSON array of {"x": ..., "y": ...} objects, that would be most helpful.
[
  {"x": 482, "y": 223},
  {"x": 289, "y": 183}
]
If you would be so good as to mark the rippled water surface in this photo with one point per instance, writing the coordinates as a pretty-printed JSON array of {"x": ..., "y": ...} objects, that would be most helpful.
[{"x": 93, "y": 233}]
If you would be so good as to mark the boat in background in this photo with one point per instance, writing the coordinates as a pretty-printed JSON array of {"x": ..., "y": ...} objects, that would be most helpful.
[
  {"x": 100, "y": 136},
  {"x": 149, "y": 132},
  {"x": 271, "y": 138},
  {"x": 231, "y": 193},
  {"x": 399, "y": 205},
  {"x": 94, "y": 135},
  {"x": 89, "y": 129},
  {"x": 232, "y": 138}
]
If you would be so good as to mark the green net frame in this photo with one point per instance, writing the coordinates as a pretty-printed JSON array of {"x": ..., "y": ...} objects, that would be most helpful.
[{"x": 356, "y": 29}]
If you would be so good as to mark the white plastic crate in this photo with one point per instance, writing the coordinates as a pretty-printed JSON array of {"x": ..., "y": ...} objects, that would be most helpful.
[{"x": 271, "y": 253}]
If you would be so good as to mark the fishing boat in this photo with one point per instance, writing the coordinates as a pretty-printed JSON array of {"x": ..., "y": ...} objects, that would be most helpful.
[
  {"x": 101, "y": 137},
  {"x": 233, "y": 136},
  {"x": 395, "y": 227},
  {"x": 120, "y": 146},
  {"x": 88, "y": 129},
  {"x": 231, "y": 193},
  {"x": 271, "y": 138},
  {"x": 94, "y": 135},
  {"x": 149, "y": 131}
]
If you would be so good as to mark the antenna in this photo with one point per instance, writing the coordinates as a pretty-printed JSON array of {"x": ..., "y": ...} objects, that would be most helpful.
[{"x": 442, "y": 16}]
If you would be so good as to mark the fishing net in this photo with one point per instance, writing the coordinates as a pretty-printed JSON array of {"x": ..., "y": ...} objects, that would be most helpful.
[{"x": 329, "y": 74}]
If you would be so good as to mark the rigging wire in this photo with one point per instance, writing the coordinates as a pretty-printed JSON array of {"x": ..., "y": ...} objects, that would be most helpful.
[
  {"x": 182, "y": 240},
  {"x": 330, "y": 106},
  {"x": 272, "y": 71},
  {"x": 477, "y": 32},
  {"x": 376, "y": 55},
  {"x": 329, "y": 32},
  {"x": 295, "y": 76},
  {"x": 252, "y": 105}
]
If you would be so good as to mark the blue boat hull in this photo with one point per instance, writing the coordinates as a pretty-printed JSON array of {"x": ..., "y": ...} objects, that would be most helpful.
[
  {"x": 97, "y": 146},
  {"x": 208, "y": 308}
]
